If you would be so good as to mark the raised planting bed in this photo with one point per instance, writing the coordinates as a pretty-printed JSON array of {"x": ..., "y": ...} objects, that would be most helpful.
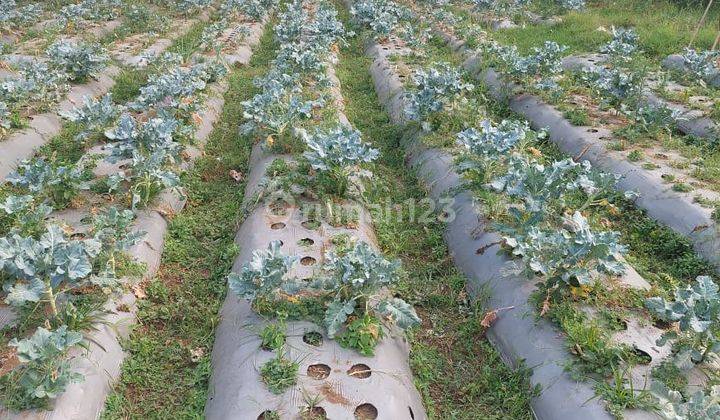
[{"x": 292, "y": 367}]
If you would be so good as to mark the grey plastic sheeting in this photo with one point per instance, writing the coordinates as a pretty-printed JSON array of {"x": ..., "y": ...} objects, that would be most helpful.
[
  {"x": 516, "y": 333},
  {"x": 676, "y": 210},
  {"x": 236, "y": 387},
  {"x": 689, "y": 121},
  {"x": 101, "y": 362}
]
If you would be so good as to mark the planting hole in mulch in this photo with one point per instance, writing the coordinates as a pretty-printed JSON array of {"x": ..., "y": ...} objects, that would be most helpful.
[
  {"x": 311, "y": 224},
  {"x": 318, "y": 371},
  {"x": 412, "y": 415},
  {"x": 366, "y": 411},
  {"x": 268, "y": 415},
  {"x": 643, "y": 357},
  {"x": 279, "y": 208},
  {"x": 277, "y": 226},
  {"x": 308, "y": 261},
  {"x": 305, "y": 242},
  {"x": 313, "y": 338},
  {"x": 314, "y": 413},
  {"x": 592, "y": 130},
  {"x": 360, "y": 371},
  {"x": 663, "y": 325}
]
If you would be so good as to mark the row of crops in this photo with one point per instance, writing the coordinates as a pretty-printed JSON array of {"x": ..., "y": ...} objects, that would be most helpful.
[
  {"x": 572, "y": 174},
  {"x": 84, "y": 219},
  {"x": 639, "y": 326},
  {"x": 309, "y": 322}
]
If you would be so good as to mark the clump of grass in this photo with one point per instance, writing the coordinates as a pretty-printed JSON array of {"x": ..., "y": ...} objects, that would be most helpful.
[
  {"x": 577, "y": 116},
  {"x": 279, "y": 374}
]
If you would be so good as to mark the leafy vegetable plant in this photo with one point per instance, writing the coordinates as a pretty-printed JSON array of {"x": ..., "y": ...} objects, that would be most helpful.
[
  {"x": 696, "y": 309},
  {"x": 435, "y": 89},
  {"x": 79, "y": 60},
  {"x": 58, "y": 184},
  {"x": 37, "y": 270},
  {"x": 44, "y": 373}
]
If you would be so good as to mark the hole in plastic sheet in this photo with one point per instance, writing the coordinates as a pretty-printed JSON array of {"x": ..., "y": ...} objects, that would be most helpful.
[
  {"x": 310, "y": 224},
  {"x": 592, "y": 130},
  {"x": 366, "y": 411},
  {"x": 308, "y": 261},
  {"x": 278, "y": 208},
  {"x": 313, "y": 338},
  {"x": 663, "y": 325},
  {"x": 306, "y": 242},
  {"x": 318, "y": 371},
  {"x": 277, "y": 226},
  {"x": 412, "y": 415},
  {"x": 313, "y": 413},
  {"x": 78, "y": 235},
  {"x": 360, "y": 371},
  {"x": 605, "y": 138},
  {"x": 268, "y": 415},
  {"x": 643, "y": 357}
]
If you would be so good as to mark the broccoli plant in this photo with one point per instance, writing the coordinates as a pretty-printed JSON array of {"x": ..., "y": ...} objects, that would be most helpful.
[
  {"x": 59, "y": 184},
  {"x": 278, "y": 107},
  {"x": 36, "y": 83},
  {"x": 176, "y": 87},
  {"x": 572, "y": 4},
  {"x": 501, "y": 7},
  {"x": 94, "y": 114},
  {"x": 435, "y": 89},
  {"x": 699, "y": 406},
  {"x": 537, "y": 185},
  {"x": 335, "y": 152},
  {"x": 381, "y": 16},
  {"x": 493, "y": 140},
  {"x": 701, "y": 64},
  {"x": 5, "y": 121},
  {"x": 616, "y": 86},
  {"x": 26, "y": 216},
  {"x": 623, "y": 45},
  {"x": 696, "y": 309},
  {"x": 11, "y": 14},
  {"x": 542, "y": 63},
  {"x": 352, "y": 283},
  {"x": 111, "y": 228},
  {"x": 355, "y": 282},
  {"x": 147, "y": 175},
  {"x": 155, "y": 134},
  {"x": 79, "y": 60},
  {"x": 263, "y": 274},
  {"x": 45, "y": 371},
  {"x": 38, "y": 270},
  {"x": 256, "y": 9},
  {"x": 569, "y": 256}
]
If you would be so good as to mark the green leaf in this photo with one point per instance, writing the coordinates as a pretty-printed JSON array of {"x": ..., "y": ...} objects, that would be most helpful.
[
  {"x": 399, "y": 311},
  {"x": 336, "y": 315}
]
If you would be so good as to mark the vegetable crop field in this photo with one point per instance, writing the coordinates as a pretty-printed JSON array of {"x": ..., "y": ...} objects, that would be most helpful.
[{"x": 359, "y": 209}]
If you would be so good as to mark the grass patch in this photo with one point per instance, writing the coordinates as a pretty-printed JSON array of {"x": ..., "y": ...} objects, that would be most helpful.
[
  {"x": 664, "y": 27},
  {"x": 168, "y": 367}
]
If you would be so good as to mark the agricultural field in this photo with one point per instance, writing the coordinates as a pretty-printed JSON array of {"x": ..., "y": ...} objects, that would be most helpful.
[{"x": 359, "y": 209}]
